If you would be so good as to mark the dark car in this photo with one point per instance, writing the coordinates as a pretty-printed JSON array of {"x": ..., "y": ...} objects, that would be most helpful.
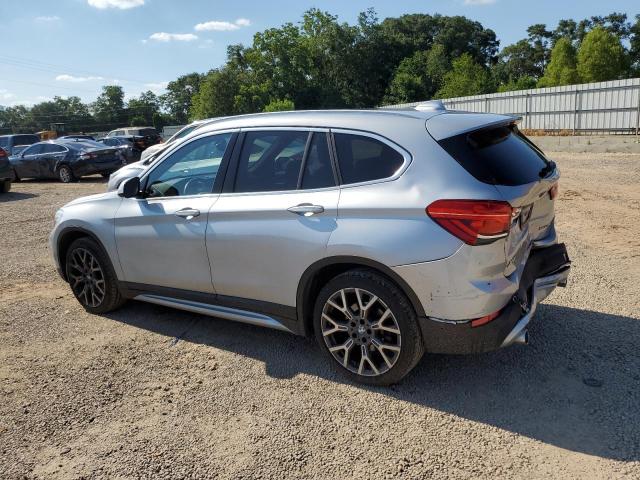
[
  {"x": 148, "y": 136},
  {"x": 6, "y": 172},
  {"x": 66, "y": 160},
  {"x": 131, "y": 147},
  {"x": 9, "y": 143}
]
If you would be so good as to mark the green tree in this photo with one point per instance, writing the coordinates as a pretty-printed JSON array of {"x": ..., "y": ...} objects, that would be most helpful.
[
  {"x": 466, "y": 78},
  {"x": 143, "y": 108},
  {"x": 562, "y": 67},
  {"x": 522, "y": 83},
  {"x": 279, "y": 106},
  {"x": 634, "y": 41},
  {"x": 601, "y": 57},
  {"x": 418, "y": 77},
  {"x": 180, "y": 92},
  {"x": 108, "y": 109}
]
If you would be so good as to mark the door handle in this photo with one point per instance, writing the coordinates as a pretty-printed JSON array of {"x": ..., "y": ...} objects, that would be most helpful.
[
  {"x": 188, "y": 213},
  {"x": 306, "y": 209}
]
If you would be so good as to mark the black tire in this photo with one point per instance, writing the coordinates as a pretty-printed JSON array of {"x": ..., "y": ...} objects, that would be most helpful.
[
  {"x": 65, "y": 174},
  {"x": 410, "y": 339},
  {"x": 5, "y": 186},
  {"x": 111, "y": 298}
]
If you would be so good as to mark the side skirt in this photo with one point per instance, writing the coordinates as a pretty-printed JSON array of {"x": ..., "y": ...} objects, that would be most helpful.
[{"x": 253, "y": 312}]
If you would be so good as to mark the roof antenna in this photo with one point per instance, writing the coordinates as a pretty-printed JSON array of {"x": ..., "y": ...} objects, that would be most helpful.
[{"x": 431, "y": 106}]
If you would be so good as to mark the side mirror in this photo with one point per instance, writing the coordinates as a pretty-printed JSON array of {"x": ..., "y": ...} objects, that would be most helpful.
[{"x": 129, "y": 188}]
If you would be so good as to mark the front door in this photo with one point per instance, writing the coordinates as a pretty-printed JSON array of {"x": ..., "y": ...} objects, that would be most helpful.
[
  {"x": 277, "y": 218},
  {"x": 161, "y": 236},
  {"x": 28, "y": 164}
]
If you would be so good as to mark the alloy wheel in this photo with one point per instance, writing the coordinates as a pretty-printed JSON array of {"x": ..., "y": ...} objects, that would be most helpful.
[
  {"x": 65, "y": 174},
  {"x": 86, "y": 277},
  {"x": 361, "y": 332}
]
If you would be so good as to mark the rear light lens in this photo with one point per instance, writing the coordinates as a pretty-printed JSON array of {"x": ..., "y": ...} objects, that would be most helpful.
[
  {"x": 88, "y": 156},
  {"x": 475, "y": 222},
  {"x": 3, "y": 153},
  {"x": 553, "y": 191},
  {"x": 478, "y": 322}
]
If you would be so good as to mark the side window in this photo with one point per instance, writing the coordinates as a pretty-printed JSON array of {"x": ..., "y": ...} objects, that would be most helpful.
[
  {"x": 48, "y": 148},
  {"x": 318, "y": 172},
  {"x": 270, "y": 161},
  {"x": 34, "y": 149},
  {"x": 362, "y": 159},
  {"x": 191, "y": 170}
]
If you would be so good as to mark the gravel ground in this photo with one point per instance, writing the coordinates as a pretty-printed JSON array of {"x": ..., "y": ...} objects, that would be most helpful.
[{"x": 149, "y": 392}]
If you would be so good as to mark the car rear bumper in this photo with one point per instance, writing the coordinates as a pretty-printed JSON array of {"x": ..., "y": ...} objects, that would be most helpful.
[{"x": 545, "y": 269}]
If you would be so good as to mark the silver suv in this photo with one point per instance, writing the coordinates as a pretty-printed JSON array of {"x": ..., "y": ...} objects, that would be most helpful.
[{"x": 384, "y": 234}]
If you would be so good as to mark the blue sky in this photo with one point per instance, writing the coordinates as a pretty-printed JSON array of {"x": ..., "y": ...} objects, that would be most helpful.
[{"x": 73, "y": 47}]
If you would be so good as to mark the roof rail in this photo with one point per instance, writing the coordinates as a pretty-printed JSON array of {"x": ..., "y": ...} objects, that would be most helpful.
[{"x": 431, "y": 106}]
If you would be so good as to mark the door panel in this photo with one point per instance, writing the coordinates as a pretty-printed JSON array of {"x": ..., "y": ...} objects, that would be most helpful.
[
  {"x": 161, "y": 238},
  {"x": 158, "y": 247},
  {"x": 259, "y": 249}
]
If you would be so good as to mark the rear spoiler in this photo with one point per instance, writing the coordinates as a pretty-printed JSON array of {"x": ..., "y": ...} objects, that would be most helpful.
[{"x": 451, "y": 124}]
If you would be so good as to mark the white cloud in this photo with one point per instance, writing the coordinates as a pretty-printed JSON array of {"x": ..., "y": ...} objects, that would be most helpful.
[
  {"x": 121, "y": 4},
  {"x": 221, "y": 26},
  {"x": 479, "y": 2},
  {"x": 46, "y": 19},
  {"x": 5, "y": 94},
  {"x": 71, "y": 78},
  {"x": 168, "y": 37},
  {"x": 156, "y": 86}
]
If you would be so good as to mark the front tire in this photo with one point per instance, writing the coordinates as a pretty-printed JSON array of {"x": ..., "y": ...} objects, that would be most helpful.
[
  {"x": 91, "y": 277},
  {"x": 5, "y": 186},
  {"x": 367, "y": 328},
  {"x": 65, "y": 174}
]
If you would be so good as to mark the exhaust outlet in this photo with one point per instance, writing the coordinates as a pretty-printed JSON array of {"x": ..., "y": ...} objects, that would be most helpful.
[{"x": 522, "y": 338}]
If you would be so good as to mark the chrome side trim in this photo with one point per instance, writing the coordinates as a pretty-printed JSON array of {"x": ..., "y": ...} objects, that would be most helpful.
[
  {"x": 227, "y": 313},
  {"x": 542, "y": 288}
]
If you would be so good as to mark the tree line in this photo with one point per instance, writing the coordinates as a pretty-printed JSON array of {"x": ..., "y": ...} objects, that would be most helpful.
[{"x": 321, "y": 62}]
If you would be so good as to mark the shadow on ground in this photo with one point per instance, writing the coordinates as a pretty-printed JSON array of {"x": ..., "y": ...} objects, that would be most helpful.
[
  {"x": 15, "y": 196},
  {"x": 577, "y": 386}
]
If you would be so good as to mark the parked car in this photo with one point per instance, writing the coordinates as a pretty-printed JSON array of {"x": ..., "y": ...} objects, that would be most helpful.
[
  {"x": 66, "y": 160},
  {"x": 148, "y": 135},
  {"x": 6, "y": 172},
  {"x": 380, "y": 237},
  {"x": 11, "y": 143},
  {"x": 128, "y": 146},
  {"x": 150, "y": 154},
  {"x": 183, "y": 132}
]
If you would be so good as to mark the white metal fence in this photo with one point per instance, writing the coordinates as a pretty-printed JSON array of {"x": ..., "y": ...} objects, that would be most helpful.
[{"x": 603, "y": 107}]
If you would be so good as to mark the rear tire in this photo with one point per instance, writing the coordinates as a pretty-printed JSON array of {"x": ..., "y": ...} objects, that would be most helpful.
[
  {"x": 5, "y": 186},
  {"x": 65, "y": 174},
  {"x": 91, "y": 277},
  {"x": 367, "y": 328}
]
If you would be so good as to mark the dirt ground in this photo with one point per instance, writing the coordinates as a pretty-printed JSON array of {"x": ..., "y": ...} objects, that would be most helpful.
[{"x": 149, "y": 392}]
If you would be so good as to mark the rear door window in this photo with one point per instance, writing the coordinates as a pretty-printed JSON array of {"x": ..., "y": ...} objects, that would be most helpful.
[
  {"x": 499, "y": 155},
  {"x": 270, "y": 161},
  {"x": 33, "y": 150},
  {"x": 363, "y": 159},
  {"x": 318, "y": 172}
]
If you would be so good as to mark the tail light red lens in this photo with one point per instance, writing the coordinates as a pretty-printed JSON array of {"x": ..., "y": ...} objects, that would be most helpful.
[
  {"x": 475, "y": 222},
  {"x": 3, "y": 153}
]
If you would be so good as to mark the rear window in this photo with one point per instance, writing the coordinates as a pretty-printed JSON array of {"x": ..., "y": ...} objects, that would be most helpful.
[
  {"x": 362, "y": 159},
  {"x": 151, "y": 132},
  {"x": 499, "y": 155},
  {"x": 25, "y": 139}
]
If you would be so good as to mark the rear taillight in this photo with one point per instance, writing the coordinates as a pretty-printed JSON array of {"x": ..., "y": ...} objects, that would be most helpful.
[
  {"x": 88, "y": 156},
  {"x": 553, "y": 191},
  {"x": 3, "y": 153},
  {"x": 475, "y": 222}
]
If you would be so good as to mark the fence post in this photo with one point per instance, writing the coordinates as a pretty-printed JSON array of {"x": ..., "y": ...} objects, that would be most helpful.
[
  {"x": 638, "y": 114},
  {"x": 575, "y": 111},
  {"x": 578, "y": 109}
]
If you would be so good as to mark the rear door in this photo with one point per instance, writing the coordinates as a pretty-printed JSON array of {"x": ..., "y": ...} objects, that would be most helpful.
[
  {"x": 276, "y": 216},
  {"x": 50, "y": 158}
]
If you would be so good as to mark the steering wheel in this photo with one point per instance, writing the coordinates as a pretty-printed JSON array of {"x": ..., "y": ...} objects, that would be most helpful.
[{"x": 196, "y": 185}]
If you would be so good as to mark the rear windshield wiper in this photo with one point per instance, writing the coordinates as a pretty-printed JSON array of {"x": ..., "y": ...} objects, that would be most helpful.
[{"x": 547, "y": 169}]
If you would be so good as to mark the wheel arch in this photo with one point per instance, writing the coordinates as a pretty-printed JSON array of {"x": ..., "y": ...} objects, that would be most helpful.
[
  {"x": 66, "y": 238},
  {"x": 320, "y": 272}
]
